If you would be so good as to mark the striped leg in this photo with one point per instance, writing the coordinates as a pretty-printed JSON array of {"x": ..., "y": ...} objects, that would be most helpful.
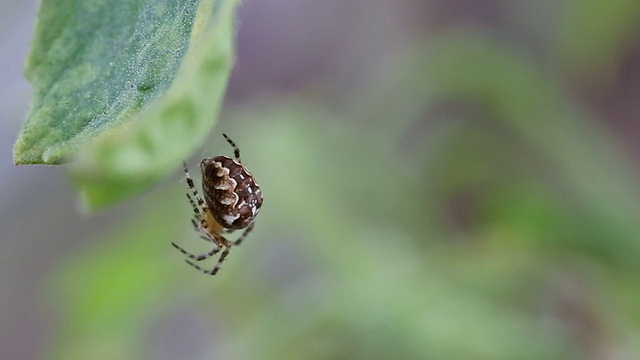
[
  {"x": 200, "y": 257},
  {"x": 203, "y": 234},
  {"x": 244, "y": 235},
  {"x": 216, "y": 268},
  {"x": 223, "y": 256},
  {"x": 201, "y": 208},
  {"x": 196, "y": 213},
  {"x": 236, "y": 149}
]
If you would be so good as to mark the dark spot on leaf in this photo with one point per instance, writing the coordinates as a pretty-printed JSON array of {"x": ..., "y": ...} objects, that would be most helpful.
[{"x": 144, "y": 88}]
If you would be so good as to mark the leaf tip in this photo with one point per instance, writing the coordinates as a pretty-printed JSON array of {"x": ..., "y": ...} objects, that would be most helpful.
[{"x": 22, "y": 155}]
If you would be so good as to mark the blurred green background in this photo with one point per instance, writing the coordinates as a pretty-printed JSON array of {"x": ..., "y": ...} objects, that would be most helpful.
[{"x": 442, "y": 180}]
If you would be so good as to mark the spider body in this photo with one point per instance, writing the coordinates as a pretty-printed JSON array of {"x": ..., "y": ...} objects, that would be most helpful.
[
  {"x": 232, "y": 200},
  {"x": 230, "y": 191}
]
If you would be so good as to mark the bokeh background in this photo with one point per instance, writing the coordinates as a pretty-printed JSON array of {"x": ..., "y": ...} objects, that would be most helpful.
[{"x": 442, "y": 180}]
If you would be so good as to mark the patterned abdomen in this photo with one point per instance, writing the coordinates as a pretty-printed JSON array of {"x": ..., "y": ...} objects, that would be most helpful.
[{"x": 230, "y": 191}]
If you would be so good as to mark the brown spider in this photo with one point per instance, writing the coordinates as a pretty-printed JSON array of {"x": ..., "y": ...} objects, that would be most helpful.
[{"x": 232, "y": 200}]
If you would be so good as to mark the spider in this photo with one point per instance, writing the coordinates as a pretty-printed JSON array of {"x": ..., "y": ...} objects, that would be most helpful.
[{"x": 232, "y": 200}]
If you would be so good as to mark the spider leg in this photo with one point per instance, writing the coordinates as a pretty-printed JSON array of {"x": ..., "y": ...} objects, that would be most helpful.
[
  {"x": 223, "y": 256},
  {"x": 236, "y": 149},
  {"x": 200, "y": 257},
  {"x": 196, "y": 212},
  {"x": 244, "y": 235},
  {"x": 216, "y": 268},
  {"x": 198, "y": 228},
  {"x": 202, "y": 207}
]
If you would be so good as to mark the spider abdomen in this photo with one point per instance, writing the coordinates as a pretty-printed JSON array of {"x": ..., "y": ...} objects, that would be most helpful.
[{"x": 230, "y": 191}]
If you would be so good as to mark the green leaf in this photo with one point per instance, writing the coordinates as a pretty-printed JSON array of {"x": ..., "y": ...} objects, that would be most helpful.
[{"x": 125, "y": 89}]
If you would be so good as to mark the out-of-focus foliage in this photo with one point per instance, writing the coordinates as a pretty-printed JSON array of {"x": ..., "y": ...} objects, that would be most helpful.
[
  {"x": 366, "y": 283},
  {"x": 595, "y": 34},
  {"x": 505, "y": 229},
  {"x": 126, "y": 89}
]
